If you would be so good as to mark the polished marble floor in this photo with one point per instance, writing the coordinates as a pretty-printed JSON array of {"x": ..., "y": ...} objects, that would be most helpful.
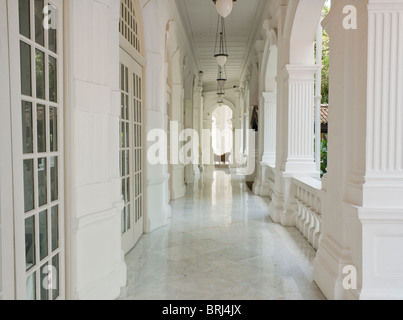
[{"x": 221, "y": 245}]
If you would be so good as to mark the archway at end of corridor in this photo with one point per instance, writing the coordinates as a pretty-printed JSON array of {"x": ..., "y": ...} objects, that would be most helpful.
[{"x": 222, "y": 135}]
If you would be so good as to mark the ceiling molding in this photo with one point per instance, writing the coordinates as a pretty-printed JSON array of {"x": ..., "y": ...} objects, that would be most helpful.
[
  {"x": 263, "y": 9},
  {"x": 186, "y": 42}
]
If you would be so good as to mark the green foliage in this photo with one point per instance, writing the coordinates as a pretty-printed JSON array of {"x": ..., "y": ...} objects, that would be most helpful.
[
  {"x": 325, "y": 69},
  {"x": 323, "y": 152},
  {"x": 325, "y": 61}
]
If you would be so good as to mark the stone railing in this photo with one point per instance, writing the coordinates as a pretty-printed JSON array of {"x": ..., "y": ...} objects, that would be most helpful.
[
  {"x": 269, "y": 180},
  {"x": 309, "y": 197}
]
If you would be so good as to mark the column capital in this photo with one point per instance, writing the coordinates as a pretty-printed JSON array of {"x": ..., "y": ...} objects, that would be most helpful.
[
  {"x": 301, "y": 72},
  {"x": 269, "y": 97}
]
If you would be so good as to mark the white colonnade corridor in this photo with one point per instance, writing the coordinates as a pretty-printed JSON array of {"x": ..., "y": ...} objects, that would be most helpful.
[{"x": 220, "y": 244}]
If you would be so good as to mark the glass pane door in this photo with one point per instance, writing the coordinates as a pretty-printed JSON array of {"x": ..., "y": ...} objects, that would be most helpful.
[
  {"x": 37, "y": 112},
  {"x": 131, "y": 150}
]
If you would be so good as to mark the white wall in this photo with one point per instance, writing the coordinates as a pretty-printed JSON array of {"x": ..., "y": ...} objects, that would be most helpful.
[{"x": 96, "y": 269}]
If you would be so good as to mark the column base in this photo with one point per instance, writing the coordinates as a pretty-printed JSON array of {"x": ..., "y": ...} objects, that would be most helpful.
[
  {"x": 276, "y": 208},
  {"x": 328, "y": 270},
  {"x": 257, "y": 187}
]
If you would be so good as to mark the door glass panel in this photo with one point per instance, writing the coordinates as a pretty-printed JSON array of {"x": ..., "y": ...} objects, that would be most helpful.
[
  {"x": 29, "y": 201},
  {"x": 52, "y": 33},
  {"x": 55, "y": 228},
  {"x": 25, "y": 18},
  {"x": 44, "y": 282},
  {"x": 54, "y": 179},
  {"x": 31, "y": 287},
  {"x": 56, "y": 281},
  {"x": 29, "y": 243},
  {"x": 42, "y": 182},
  {"x": 41, "y": 128},
  {"x": 27, "y": 134},
  {"x": 43, "y": 234},
  {"x": 26, "y": 80},
  {"x": 39, "y": 17},
  {"x": 52, "y": 79},
  {"x": 53, "y": 129},
  {"x": 40, "y": 74}
]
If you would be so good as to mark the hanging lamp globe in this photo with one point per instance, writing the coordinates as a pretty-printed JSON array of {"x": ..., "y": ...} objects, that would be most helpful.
[
  {"x": 224, "y": 7},
  {"x": 221, "y": 59}
]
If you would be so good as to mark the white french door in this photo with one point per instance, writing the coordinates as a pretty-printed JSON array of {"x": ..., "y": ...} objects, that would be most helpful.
[
  {"x": 131, "y": 125},
  {"x": 131, "y": 150},
  {"x": 36, "y": 76}
]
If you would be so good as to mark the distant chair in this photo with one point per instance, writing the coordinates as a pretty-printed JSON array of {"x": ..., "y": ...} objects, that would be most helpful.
[{"x": 222, "y": 159}]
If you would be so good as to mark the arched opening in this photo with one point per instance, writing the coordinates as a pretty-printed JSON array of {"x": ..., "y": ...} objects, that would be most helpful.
[{"x": 222, "y": 135}]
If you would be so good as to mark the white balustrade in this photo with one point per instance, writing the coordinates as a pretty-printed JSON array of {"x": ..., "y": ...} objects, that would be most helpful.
[{"x": 309, "y": 197}]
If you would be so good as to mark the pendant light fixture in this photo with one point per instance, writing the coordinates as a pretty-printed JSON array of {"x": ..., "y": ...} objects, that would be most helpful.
[
  {"x": 221, "y": 50},
  {"x": 221, "y": 80},
  {"x": 224, "y": 7},
  {"x": 222, "y": 76}
]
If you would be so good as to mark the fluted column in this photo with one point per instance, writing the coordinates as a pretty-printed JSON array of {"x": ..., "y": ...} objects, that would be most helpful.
[
  {"x": 270, "y": 125},
  {"x": 300, "y": 141},
  {"x": 382, "y": 213},
  {"x": 363, "y": 221}
]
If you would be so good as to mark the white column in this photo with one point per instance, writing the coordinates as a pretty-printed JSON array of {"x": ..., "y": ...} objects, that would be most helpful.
[
  {"x": 300, "y": 155},
  {"x": 197, "y": 98},
  {"x": 318, "y": 96},
  {"x": 363, "y": 221},
  {"x": 382, "y": 213},
  {"x": 270, "y": 127},
  {"x": 178, "y": 170}
]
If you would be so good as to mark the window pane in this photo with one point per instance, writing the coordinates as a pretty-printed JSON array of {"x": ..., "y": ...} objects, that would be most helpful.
[
  {"x": 127, "y": 80},
  {"x": 43, "y": 234},
  {"x": 128, "y": 189},
  {"x": 52, "y": 79},
  {"x": 55, "y": 228},
  {"x": 39, "y": 17},
  {"x": 127, "y": 135},
  {"x": 26, "y": 81},
  {"x": 122, "y": 129},
  {"x": 124, "y": 220},
  {"x": 24, "y": 16},
  {"x": 53, "y": 129},
  {"x": 29, "y": 243},
  {"x": 55, "y": 284},
  {"x": 127, "y": 163},
  {"x": 122, "y": 107},
  {"x": 128, "y": 223},
  {"x": 41, "y": 127},
  {"x": 54, "y": 179},
  {"x": 124, "y": 189},
  {"x": 27, "y": 141},
  {"x": 29, "y": 185},
  {"x": 52, "y": 34},
  {"x": 42, "y": 182},
  {"x": 122, "y": 78},
  {"x": 44, "y": 284},
  {"x": 123, "y": 164},
  {"x": 31, "y": 287},
  {"x": 40, "y": 74}
]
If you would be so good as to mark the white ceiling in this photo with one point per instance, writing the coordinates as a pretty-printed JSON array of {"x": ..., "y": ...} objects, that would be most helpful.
[{"x": 200, "y": 18}]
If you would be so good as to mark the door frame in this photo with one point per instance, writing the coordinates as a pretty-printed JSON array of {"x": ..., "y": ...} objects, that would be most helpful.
[
  {"x": 139, "y": 58},
  {"x": 7, "y": 272}
]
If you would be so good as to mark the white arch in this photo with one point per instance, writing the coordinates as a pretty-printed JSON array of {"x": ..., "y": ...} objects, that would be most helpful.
[{"x": 302, "y": 21}]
